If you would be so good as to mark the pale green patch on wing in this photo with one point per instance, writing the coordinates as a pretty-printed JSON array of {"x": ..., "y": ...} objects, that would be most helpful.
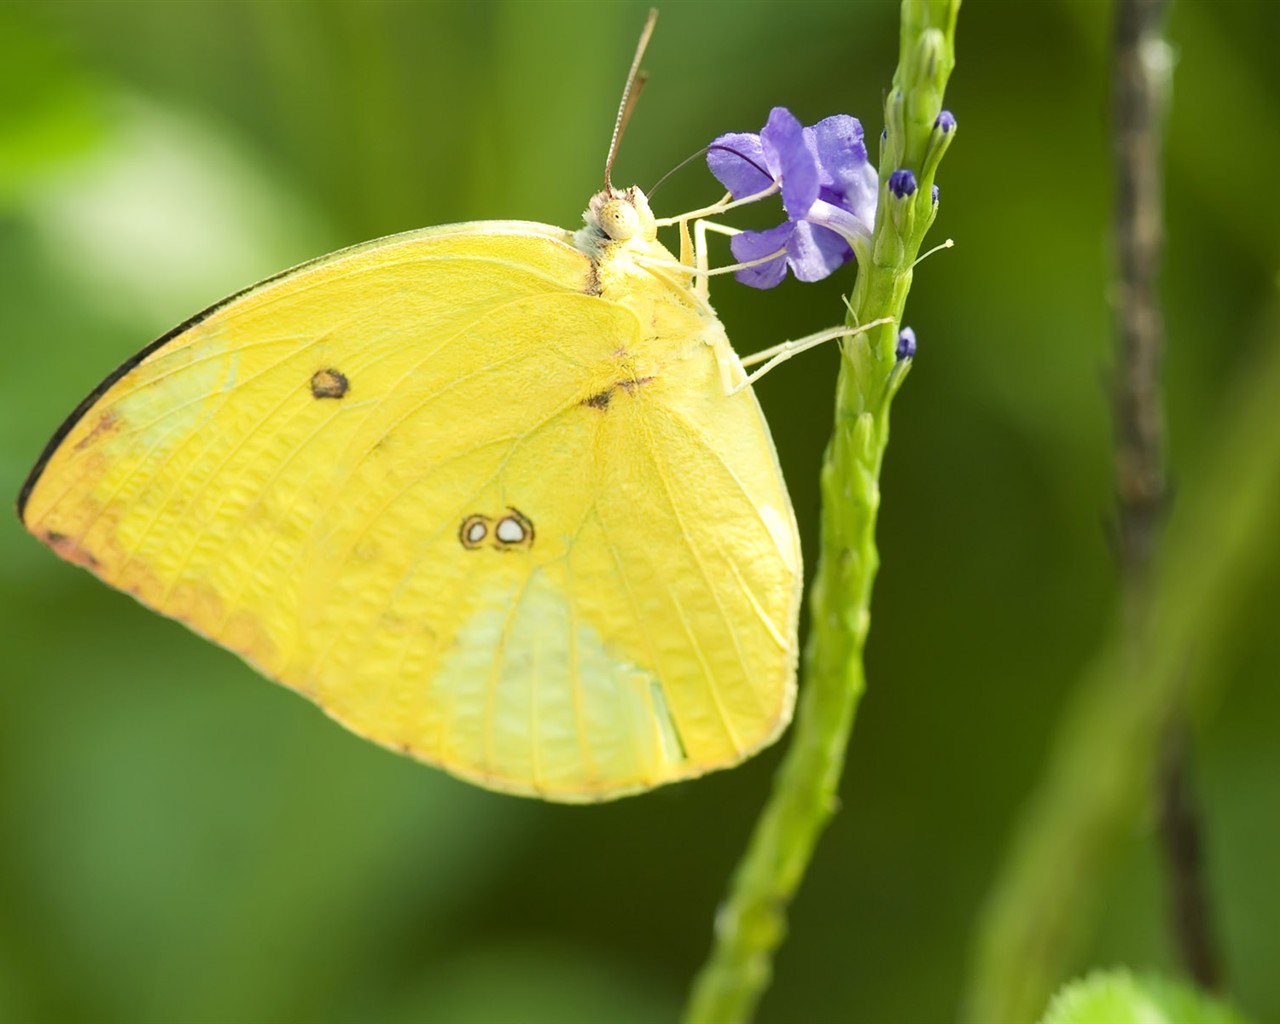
[
  {"x": 535, "y": 693},
  {"x": 156, "y": 418}
]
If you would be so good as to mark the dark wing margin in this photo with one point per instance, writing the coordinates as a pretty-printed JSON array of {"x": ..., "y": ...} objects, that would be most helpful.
[{"x": 91, "y": 399}]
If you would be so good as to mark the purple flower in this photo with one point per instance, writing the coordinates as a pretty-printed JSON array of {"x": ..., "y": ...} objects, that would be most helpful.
[
  {"x": 945, "y": 121},
  {"x": 829, "y": 192}
]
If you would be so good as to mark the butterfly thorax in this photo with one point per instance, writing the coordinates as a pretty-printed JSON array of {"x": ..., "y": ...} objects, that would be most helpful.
[{"x": 631, "y": 267}]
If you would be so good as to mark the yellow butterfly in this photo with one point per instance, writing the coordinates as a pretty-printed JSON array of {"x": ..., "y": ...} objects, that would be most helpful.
[{"x": 494, "y": 495}]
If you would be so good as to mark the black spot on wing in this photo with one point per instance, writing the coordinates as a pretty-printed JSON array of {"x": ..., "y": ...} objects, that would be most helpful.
[
  {"x": 632, "y": 384},
  {"x": 329, "y": 383}
]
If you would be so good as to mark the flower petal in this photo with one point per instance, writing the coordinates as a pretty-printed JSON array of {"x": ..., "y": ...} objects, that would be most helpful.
[
  {"x": 789, "y": 158},
  {"x": 862, "y": 194},
  {"x": 847, "y": 178},
  {"x": 848, "y": 225},
  {"x": 737, "y": 161},
  {"x": 839, "y": 149},
  {"x": 814, "y": 252},
  {"x": 754, "y": 245}
]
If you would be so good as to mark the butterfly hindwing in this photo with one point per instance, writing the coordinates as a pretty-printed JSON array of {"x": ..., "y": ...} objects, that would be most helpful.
[{"x": 474, "y": 510}]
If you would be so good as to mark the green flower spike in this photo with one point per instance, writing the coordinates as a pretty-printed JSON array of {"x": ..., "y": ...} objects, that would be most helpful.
[{"x": 752, "y": 922}]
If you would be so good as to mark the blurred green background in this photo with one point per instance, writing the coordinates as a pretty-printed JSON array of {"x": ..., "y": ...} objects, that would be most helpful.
[{"x": 183, "y": 841}]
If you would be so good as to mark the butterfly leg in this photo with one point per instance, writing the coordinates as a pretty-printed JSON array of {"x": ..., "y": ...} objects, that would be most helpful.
[
  {"x": 731, "y": 375},
  {"x": 699, "y": 266},
  {"x": 771, "y": 357},
  {"x": 686, "y": 244},
  {"x": 726, "y": 202},
  {"x": 702, "y": 273}
]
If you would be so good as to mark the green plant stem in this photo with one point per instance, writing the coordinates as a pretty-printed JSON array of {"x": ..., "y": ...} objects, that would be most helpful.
[
  {"x": 752, "y": 922},
  {"x": 1142, "y": 72},
  {"x": 1099, "y": 774}
]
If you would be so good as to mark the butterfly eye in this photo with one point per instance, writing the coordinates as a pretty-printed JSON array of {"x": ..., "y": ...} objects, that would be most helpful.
[{"x": 619, "y": 220}]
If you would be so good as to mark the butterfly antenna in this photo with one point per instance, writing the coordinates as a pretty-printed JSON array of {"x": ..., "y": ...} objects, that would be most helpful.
[
  {"x": 678, "y": 167},
  {"x": 630, "y": 94}
]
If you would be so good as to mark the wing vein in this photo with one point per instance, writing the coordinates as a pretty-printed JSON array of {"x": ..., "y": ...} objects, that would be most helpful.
[
  {"x": 654, "y": 660},
  {"x": 706, "y": 579}
]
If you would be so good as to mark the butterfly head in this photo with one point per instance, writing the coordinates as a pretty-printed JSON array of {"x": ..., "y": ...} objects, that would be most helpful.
[{"x": 619, "y": 216}]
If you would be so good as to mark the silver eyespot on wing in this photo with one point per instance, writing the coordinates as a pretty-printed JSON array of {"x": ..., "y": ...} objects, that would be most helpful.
[
  {"x": 512, "y": 530},
  {"x": 473, "y": 531}
]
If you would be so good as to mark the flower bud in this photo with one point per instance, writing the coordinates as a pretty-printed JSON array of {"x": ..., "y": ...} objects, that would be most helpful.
[
  {"x": 902, "y": 183},
  {"x": 906, "y": 344}
]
